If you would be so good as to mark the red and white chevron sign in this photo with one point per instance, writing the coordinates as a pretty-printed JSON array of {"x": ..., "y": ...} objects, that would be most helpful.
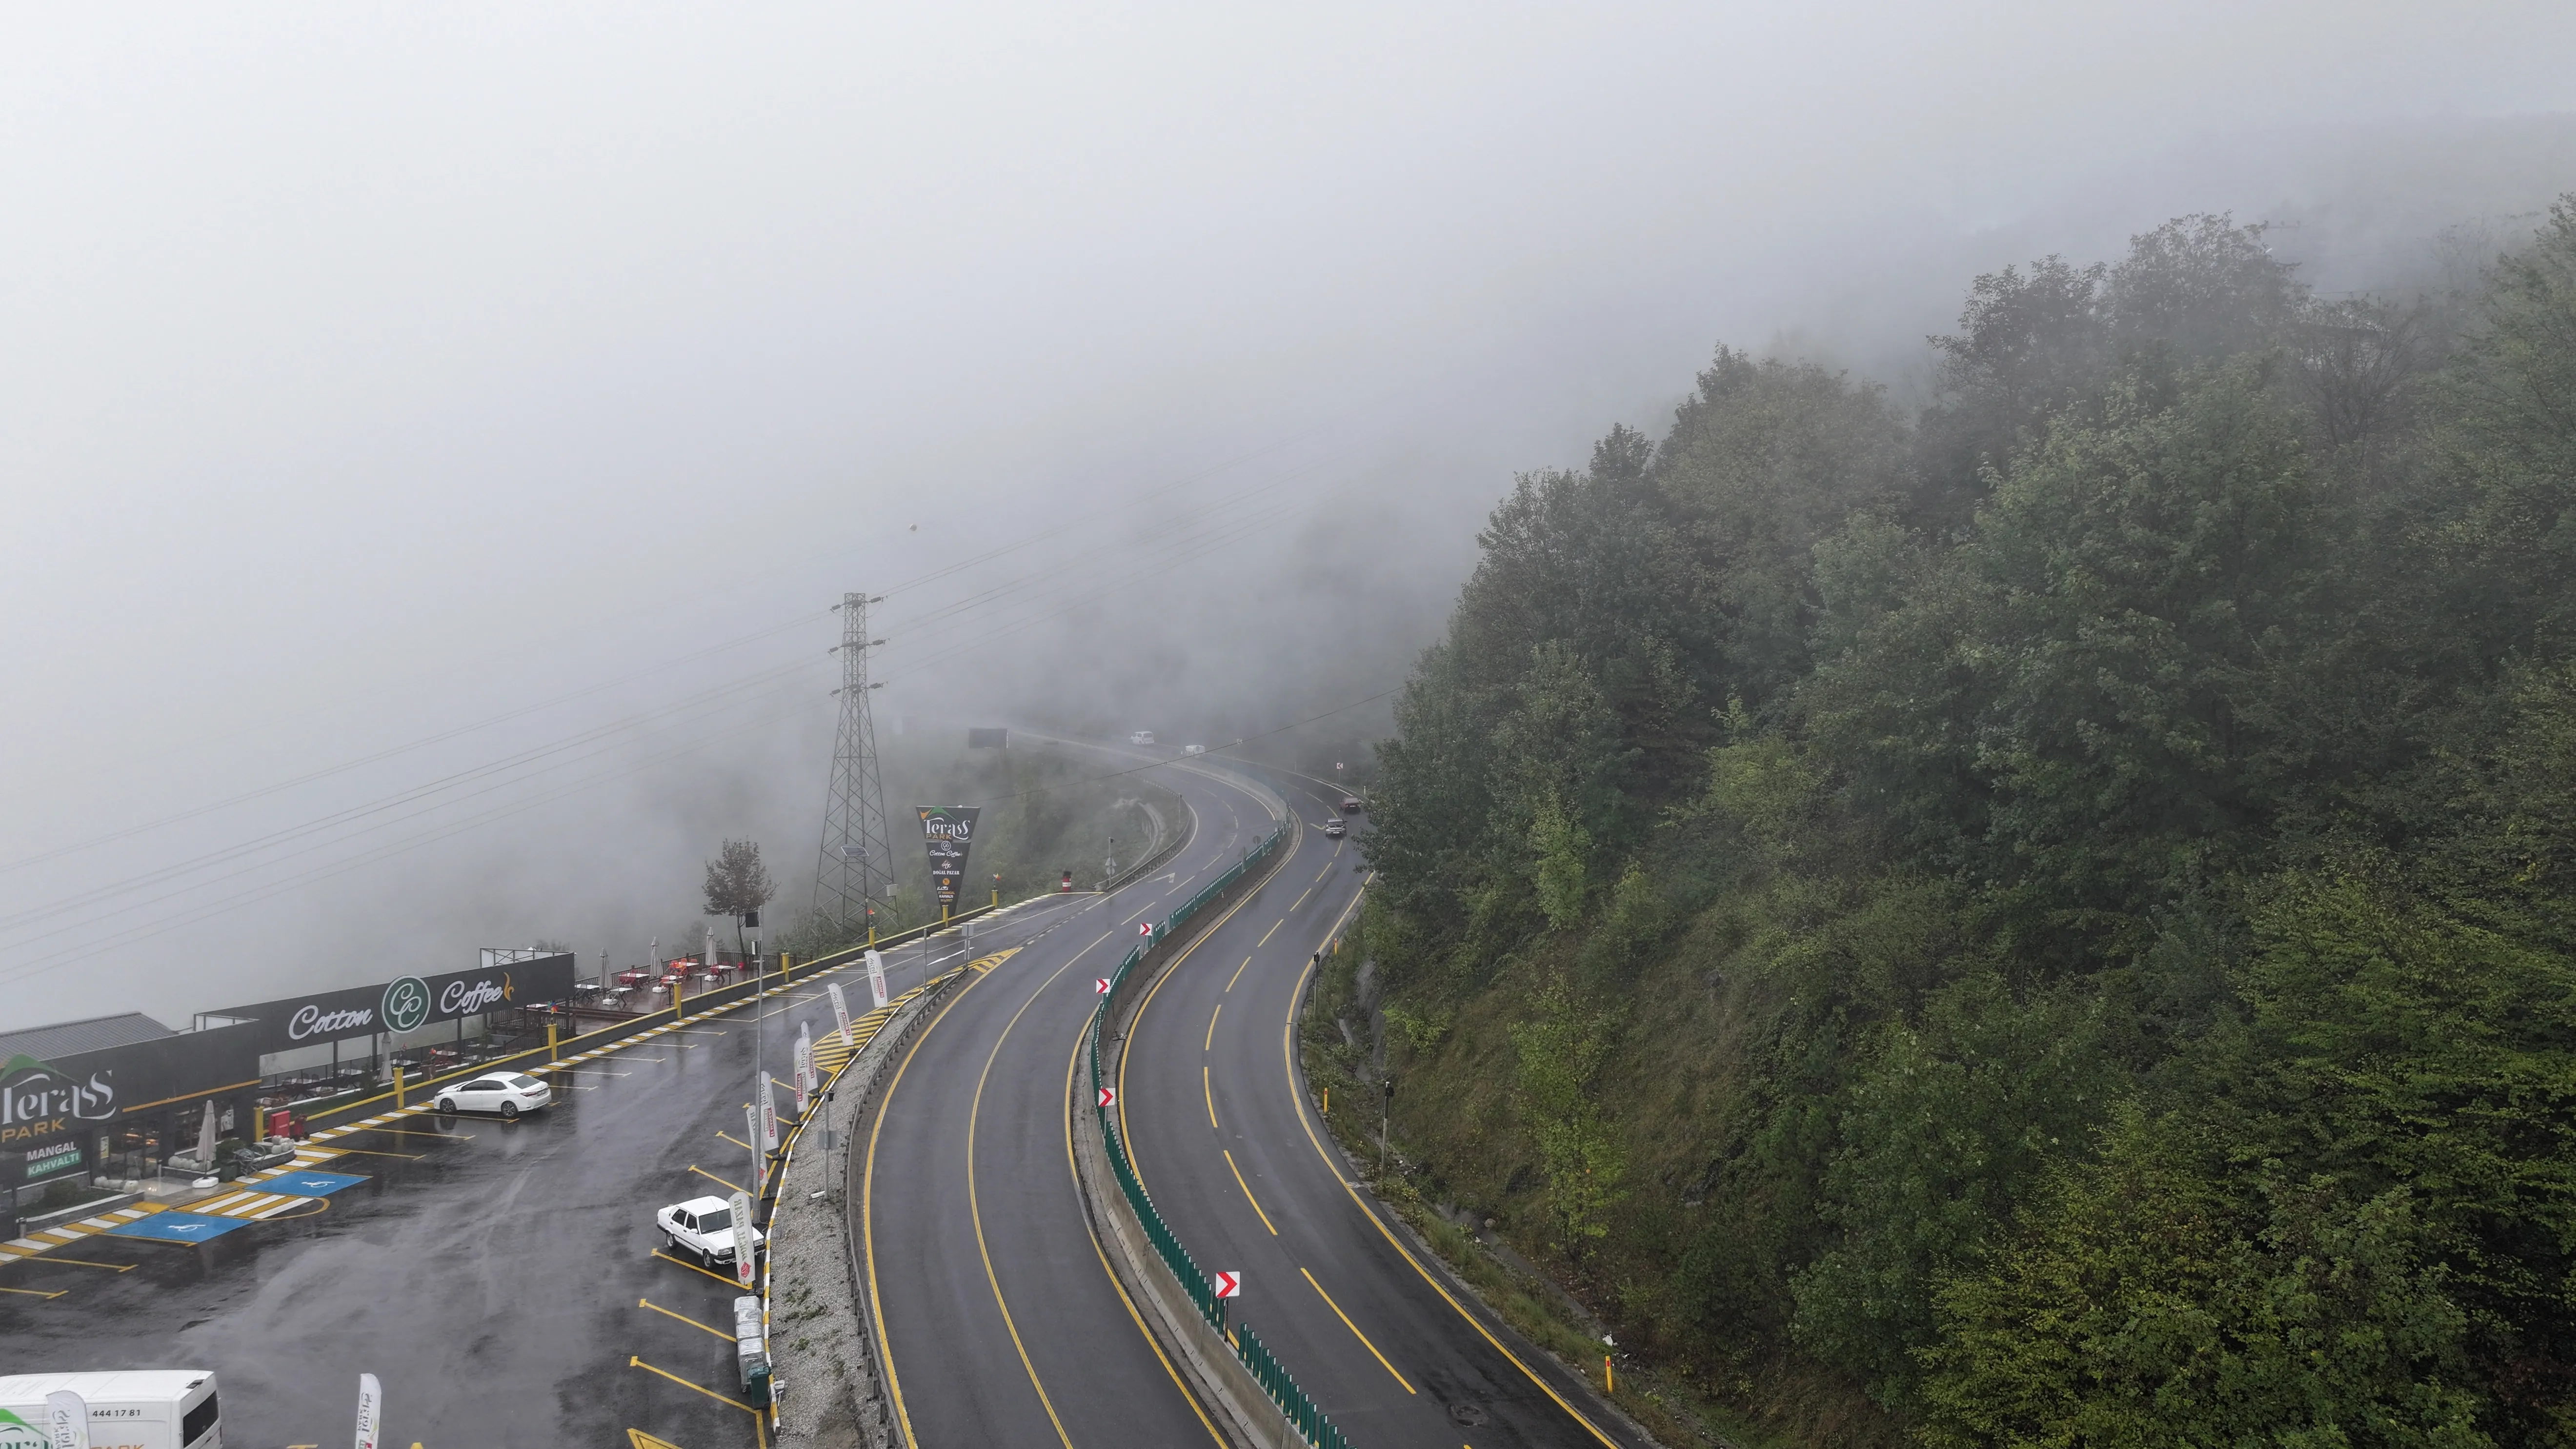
[
  {"x": 1145, "y": 928},
  {"x": 1100, "y": 986},
  {"x": 1229, "y": 1285},
  {"x": 1108, "y": 1097}
]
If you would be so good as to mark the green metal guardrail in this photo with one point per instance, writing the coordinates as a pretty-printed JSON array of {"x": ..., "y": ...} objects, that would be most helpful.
[{"x": 1265, "y": 1368}]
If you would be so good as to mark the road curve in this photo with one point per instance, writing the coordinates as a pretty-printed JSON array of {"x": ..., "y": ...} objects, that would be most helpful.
[
  {"x": 996, "y": 1315},
  {"x": 1216, "y": 1117}
]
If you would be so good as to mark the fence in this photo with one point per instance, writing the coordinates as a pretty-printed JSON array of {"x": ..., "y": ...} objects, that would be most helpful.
[{"x": 1266, "y": 1370}]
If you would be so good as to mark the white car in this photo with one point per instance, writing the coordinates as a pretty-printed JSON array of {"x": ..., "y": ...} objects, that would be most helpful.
[
  {"x": 704, "y": 1226},
  {"x": 508, "y": 1093}
]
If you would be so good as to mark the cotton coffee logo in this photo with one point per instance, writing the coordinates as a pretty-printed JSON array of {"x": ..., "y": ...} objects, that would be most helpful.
[
  {"x": 310, "y": 1020},
  {"x": 37, "y": 1102},
  {"x": 406, "y": 1004},
  {"x": 465, "y": 998}
]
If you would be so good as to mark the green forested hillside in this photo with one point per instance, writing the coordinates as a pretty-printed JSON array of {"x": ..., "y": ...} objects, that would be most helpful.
[{"x": 2046, "y": 921}]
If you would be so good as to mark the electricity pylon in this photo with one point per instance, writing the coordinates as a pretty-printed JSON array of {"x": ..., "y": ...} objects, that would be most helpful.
[{"x": 856, "y": 863}]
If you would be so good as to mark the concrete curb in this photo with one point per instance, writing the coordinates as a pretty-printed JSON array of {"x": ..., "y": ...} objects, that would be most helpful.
[{"x": 830, "y": 1388}]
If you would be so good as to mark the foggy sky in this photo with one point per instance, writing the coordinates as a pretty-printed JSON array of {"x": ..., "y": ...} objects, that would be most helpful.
[{"x": 372, "y": 372}]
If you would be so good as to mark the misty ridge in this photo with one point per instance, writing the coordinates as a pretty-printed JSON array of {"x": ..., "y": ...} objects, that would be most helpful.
[{"x": 2042, "y": 917}]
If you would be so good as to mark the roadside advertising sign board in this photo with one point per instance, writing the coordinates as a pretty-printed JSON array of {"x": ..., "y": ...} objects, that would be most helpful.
[
  {"x": 751, "y": 1132},
  {"x": 841, "y": 1014},
  {"x": 404, "y": 1004},
  {"x": 371, "y": 1411},
  {"x": 804, "y": 1071},
  {"x": 876, "y": 979},
  {"x": 67, "y": 1420},
  {"x": 768, "y": 1120},
  {"x": 948, "y": 832},
  {"x": 744, "y": 1253}
]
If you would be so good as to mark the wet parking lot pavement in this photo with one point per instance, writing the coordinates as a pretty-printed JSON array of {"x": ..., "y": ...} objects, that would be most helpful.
[{"x": 500, "y": 1278}]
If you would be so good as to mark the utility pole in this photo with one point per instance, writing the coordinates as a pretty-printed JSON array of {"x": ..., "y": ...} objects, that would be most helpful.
[{"x": 856, "y": 862}]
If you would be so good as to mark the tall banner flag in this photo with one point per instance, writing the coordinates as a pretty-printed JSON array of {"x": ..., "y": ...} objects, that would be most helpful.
[
  {"x": 876, "y": 979},
  {"x": 371, "y": 1411},
  {"x": 841, "y": 1013},
  {"x": 744, "y": 1251},
  {"x": 768, "y": 1121},
  {"x": 948, "y": 831},
  {"x": 751, "y": 1133},
  {"x": 804, "y": 1071}
]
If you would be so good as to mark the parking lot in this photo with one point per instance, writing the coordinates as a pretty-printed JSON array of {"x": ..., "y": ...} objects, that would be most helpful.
[{"x": 503, "y": 1279}]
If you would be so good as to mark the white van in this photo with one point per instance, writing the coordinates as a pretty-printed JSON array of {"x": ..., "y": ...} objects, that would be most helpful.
[
  {"x": 128, "y": 1409},
  {"x": 1141, "y": 737}
]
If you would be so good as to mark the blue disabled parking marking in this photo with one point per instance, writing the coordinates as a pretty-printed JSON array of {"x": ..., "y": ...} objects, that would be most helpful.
[
  {"x": 309, "y": 1184},
  {"x": 178, "y": 1227}
]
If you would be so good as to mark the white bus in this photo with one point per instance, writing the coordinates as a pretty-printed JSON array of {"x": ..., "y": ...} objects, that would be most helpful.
[{"x": 128, "y": 1409}]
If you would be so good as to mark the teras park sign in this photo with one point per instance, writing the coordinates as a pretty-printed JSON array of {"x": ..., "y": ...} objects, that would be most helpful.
[
  {"x": 405, "y": 1004},
  {"x": 948, "y": 831}
]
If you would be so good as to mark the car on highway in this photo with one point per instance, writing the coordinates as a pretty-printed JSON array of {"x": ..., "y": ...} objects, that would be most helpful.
[
  {"x": 704, "y": 1226},
  {"x": 1141, "y": 737},
  {"x": 508, "y": 1093},
  {"x": 1335, "y": 828},
  {"x": 1350, "y": 804}
]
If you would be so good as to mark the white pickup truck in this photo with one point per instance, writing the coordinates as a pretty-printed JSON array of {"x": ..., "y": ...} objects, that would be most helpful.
[{"x": 704, "y": 1226}]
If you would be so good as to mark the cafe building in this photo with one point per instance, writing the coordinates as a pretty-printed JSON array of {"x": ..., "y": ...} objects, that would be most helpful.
[{"x": 103, "y": 1102}]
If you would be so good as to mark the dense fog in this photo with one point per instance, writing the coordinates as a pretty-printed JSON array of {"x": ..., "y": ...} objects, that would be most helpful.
[{"x": 435, "y": 441}]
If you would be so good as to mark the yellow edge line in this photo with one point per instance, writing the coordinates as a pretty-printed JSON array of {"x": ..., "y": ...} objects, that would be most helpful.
[
  {"x": 1210, "y": 1044},
  {"x": 1070, "y": 1062},
  {"x": 1288, "y": 1061},
  {"x": 1205, "y": 1085}
]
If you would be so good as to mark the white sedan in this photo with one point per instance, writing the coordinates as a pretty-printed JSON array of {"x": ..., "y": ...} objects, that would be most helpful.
[
  {"x": 704, "y": 1226},
  {"x": 508, "y": 1093}
]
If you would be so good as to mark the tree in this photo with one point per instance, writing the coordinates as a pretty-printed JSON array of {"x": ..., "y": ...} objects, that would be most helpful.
[{"x": 738, "y": 885}]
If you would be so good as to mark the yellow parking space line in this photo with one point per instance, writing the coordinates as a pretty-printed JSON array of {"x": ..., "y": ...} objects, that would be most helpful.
[
  {"x": 35, "y": 1292},
  {"x": 86, "y": 1263},
  {"x": 694, "y": 1268},
  {"x": 711, "y": 1177},
  {"x": 634, "y": 1362},
  {"x": 410, "y": 1132},
  {"x": 684, "y": 1318},
  {"x": 1354, "y": 1328},
  {"x": 1247, "y": 1194},
  {"x": 362, "y": 1152},
  {"x": 736, "y": 1141},
  {"x": 1210, "y": 1043},
  {"x": 1273, "y": 931},
  {"x": 1206, "y": 1087}
]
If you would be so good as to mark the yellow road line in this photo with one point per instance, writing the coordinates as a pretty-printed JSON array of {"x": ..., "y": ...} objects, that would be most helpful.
[
  {"x": 1297, "y": 1098},
  {"x": 1208, "y": 1087},
  {"x": 1273, "y": 931},
  {"x": 975, "y": 1208},
  {"x": 731, "y": 1283},
  {"x": 634, "y": 1362},
  {"x": 1238, "y": 974},
  {"x": 1173, "y": 970},
  {"x": 1354, "y": 1328},
  {"x": 1210, "y": 1044},
  {"x": 1247, "y": 1192},
  {"x": 1301, "y": 899},
  {"x": 711, "y": 1177},
  {"x": 867, "y": 1209},
  {"x": 1070, "y": 1062},
  {"x": 684, "y": 1318}
]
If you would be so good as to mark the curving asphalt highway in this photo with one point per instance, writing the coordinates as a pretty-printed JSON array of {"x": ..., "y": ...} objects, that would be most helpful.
[
  {"x": 1225, "y": 1140},
  {"x": 993, "y": 1307}
]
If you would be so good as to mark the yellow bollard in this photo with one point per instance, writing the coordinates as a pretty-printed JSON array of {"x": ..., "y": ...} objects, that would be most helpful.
[
  {"x": 553, "y": 1051},
  {"x": 786, "y": 964},
  {"x": 398, "y": 1086},
  {"x": 679, "y": 988},
  {"x": 1609, "y": 1380}
]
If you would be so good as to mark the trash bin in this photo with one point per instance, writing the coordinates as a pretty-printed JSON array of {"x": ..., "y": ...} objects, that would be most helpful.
[{"x": 751, "y": 1351}]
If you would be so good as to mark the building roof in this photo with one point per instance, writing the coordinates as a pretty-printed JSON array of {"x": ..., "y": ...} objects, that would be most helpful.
[{"x": 66, "y": 1038}]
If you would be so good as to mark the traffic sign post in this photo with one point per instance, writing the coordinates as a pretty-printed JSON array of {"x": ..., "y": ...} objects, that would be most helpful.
[
  {"x": 1100, "y": 986},
  {"x": 1228, "y": 1285},
  {"x": 1108, "y": 1098}
]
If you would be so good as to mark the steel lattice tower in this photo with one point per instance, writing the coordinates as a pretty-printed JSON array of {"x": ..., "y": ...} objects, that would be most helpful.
[{"x": 856, "y": 863}]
